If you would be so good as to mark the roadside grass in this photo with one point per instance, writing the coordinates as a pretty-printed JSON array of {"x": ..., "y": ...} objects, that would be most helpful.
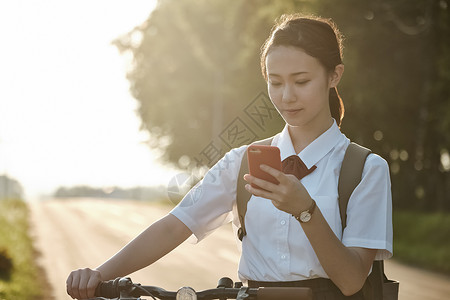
[
  {"x": 23, "y": 281},
  {"x": 423, "y": 239}
]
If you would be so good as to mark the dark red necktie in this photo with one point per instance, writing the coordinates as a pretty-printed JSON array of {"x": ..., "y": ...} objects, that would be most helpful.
[{"x": 295, "y": 166}]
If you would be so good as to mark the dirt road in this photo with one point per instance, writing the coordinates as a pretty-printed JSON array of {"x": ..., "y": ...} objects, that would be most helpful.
[{"x": 74, "y": 233}]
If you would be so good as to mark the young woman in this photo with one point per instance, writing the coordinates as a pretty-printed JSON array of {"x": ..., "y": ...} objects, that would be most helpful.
[{"x": 302, "y": 64}]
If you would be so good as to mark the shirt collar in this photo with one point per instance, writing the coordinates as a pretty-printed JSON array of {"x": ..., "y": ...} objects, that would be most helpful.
[{"x": 315, "y": 151}]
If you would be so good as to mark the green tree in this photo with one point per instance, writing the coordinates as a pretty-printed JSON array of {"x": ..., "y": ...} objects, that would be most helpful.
[
  {"x": 396, "y": 91},
  {"x": 10, "y": 188},
  {"x": 196, "y": 68}
]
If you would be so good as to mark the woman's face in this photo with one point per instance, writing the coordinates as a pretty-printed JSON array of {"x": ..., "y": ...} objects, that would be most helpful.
[{"x": 298, "y": 86}]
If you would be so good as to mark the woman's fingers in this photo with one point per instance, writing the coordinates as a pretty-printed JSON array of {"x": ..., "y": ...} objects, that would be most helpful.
[
  {"x": 263, "y": 184},
  {"x": 280, "y": 176},
  {"x": 287, "y": 196},
  {"x": 73, "y": 283},
  {"x": 81, "y": 283},
  {"x": 259, "y": 192},
  {"x": 69, "y": 284},
  {"x": 92, "y": 284},
  {"x": 82, "y": 287}
]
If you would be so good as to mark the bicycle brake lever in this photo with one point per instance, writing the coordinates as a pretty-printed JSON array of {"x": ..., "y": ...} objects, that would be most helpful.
[{"x": 242, "y": 293}]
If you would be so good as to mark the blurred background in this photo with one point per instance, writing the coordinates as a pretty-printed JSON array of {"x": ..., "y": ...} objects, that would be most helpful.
[
  {"x": 116, "y": 99},
  {"x": 66, "y": 115}
]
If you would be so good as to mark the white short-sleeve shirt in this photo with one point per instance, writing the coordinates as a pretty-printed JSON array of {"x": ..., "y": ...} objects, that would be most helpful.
[{"x": 275, "y": 247}]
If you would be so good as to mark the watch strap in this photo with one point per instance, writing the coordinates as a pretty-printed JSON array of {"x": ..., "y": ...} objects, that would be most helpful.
[{"x": 310, "y": 210}]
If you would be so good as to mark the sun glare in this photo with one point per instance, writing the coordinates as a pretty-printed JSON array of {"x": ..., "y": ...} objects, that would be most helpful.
[{"x": 66, "y": 115}]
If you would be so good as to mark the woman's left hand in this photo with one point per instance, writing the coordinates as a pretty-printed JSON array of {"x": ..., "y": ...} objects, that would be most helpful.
[{"x": 289, "y": 195}]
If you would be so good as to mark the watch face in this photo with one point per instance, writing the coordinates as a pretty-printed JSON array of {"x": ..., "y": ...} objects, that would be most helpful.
[{"x": 305, "y": 216}]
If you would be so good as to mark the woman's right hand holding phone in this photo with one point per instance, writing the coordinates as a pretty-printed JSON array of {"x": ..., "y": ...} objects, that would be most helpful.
[{"x": 289, "y": 195}]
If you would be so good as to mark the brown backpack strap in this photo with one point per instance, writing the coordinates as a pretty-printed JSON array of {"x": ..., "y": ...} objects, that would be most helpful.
[
  {"x": 350, "y": 176},
  {"x": 242, "y": 196}
]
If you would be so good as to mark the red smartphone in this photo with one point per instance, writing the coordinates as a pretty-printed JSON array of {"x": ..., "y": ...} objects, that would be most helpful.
[{"x": 267, "y": 155}]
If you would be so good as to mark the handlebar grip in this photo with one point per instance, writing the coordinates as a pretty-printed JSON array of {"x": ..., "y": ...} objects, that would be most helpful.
[
  {"x": 285, "y": 293},
  {"x": 108, "y": 289}
]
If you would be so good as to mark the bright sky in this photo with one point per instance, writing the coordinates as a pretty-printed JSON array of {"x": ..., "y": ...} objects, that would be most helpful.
[{"x": 66, "y": 115}]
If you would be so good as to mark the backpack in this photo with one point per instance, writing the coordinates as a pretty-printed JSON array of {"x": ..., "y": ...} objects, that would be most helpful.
[{"x": 377, "y": 286}]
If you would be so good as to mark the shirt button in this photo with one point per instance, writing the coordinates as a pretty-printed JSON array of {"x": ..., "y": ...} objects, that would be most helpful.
[
  {"x": 283, "y": 256},
  {"x": 283, "y": 222}
]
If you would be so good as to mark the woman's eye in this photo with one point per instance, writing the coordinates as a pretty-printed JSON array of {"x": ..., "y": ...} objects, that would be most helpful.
[
  {"x": 302, "y": 82},
  {"x": 274, "y": 83}
]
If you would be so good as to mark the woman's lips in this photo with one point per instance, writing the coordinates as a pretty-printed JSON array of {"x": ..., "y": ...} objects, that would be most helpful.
[{"x": 292, "y": 111}]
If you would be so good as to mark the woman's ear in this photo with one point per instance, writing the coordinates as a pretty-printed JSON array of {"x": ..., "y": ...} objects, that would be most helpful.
[{"x": 336, "y": 75}]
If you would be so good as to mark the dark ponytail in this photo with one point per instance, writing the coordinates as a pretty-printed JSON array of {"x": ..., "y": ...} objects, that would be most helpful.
[
  {"x": 319, "y": 38},
  {"x": 336, "y": 106}
]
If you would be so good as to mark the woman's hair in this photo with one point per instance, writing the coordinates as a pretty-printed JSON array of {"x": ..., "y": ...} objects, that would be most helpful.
[{"x": 319, "y": 38}]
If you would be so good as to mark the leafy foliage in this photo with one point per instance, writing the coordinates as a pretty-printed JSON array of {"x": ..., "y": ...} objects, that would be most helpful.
[
  {"x": 196, "y": 67},
  {"x": 422, "y": 239},
  {"x": 135, "y": 193},
  {"x": 6, "y": 264},
  {"x": 397, "y": 91},
  {"x": 19, "y": 276},
  {"x": 10, "y": 188}
]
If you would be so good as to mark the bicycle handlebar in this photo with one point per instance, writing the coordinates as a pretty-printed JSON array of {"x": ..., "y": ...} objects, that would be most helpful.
[{"x": 124, "y": 288}]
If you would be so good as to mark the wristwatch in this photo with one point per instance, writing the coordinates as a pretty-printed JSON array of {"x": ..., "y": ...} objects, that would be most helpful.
[{"x": 305, "y": 216}]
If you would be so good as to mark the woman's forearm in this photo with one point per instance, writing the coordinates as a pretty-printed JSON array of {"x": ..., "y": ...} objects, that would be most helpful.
[
  {"x": 347, "y": 267},
  {"x": 153, "y": 243}
]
